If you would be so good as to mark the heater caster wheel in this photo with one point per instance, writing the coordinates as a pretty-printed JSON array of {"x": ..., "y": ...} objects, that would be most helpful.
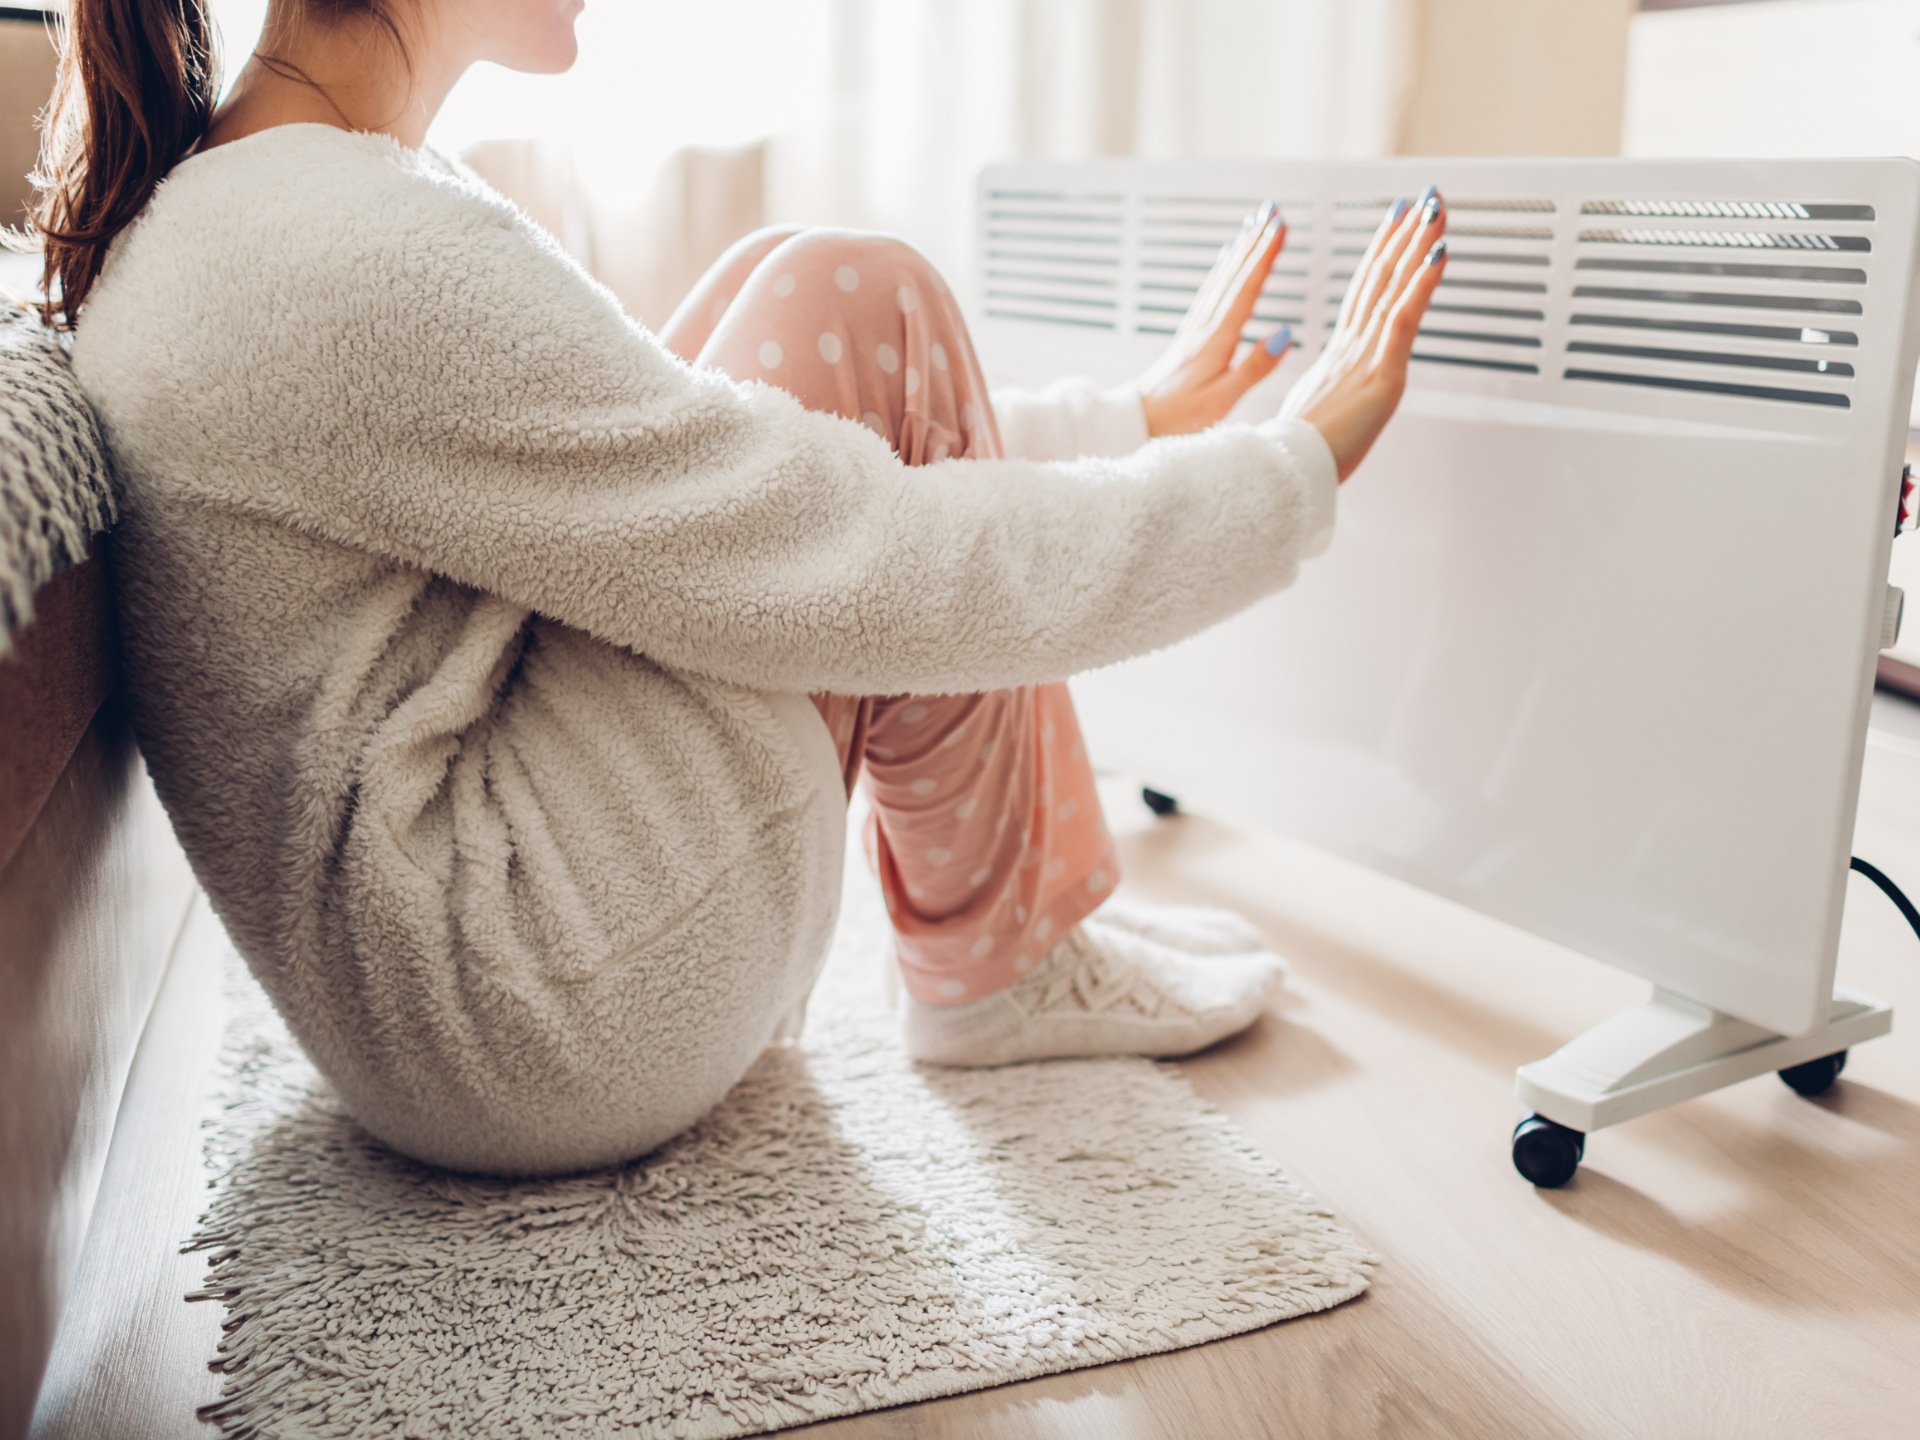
[
  {"x": 1159, "y": 802},
  {"x": 1547, "y": 1153},
  {"x": 1815, "y": 1077}
]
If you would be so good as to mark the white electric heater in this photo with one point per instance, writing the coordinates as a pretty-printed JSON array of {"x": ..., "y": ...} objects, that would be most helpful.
[{"x": 1593, "y": 648}]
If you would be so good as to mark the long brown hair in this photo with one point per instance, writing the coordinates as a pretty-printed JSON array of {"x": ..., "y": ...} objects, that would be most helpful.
[
  {"x": 135, "y": 90},
  {"x": 137, "y": 83}
]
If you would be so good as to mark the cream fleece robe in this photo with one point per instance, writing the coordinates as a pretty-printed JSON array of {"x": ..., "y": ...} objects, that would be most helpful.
[{"x": 469, "y": 633}]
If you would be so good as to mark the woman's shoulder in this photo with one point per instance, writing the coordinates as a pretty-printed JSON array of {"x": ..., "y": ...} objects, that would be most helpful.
[
  {"x": 300, "y": 189},
  {"x": 307, "y": 270},
  {"x": 308, "y": 223},
  {"x": 321, "y": 163},
  {"x": 304, "y": 207}
]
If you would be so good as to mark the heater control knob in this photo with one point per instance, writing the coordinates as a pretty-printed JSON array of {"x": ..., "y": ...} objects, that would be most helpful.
[{"x": 1896, "y": 604}]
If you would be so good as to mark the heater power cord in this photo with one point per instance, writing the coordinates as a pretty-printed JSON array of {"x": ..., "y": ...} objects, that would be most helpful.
[{"x": 1892, "y": 891}]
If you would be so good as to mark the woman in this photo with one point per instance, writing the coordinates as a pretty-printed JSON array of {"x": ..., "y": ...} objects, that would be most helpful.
[{"x": 471, "y": 629}]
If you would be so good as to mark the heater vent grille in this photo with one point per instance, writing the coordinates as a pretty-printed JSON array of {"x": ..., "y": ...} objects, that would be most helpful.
[
  {"x": 1728, "y": 209},
  {"x": 1499, "y": 232},
  {"x": 1728, "y": 239},
  {"x": 1666, "y": 279},
  {"x": 1731, "y": 301},
  {"x": 1491, "y": 310},
  {"x": 1180, "y": 236},
  {"x": 1054, "y": 257}
]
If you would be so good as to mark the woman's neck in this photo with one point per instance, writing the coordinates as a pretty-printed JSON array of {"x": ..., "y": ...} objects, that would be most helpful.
[{"x": 355, "y": 75}]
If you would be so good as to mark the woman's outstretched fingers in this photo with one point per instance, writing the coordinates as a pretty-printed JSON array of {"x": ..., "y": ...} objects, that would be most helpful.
[
  {"x": 1353, "y": 387},
  {"x": 1363, "y": 273},
  {"x": 1423, "y": 223},
  {"x": 1426, "y": 227},
  {"x": 1403, "y": 320},
  {"x": 1252, "y": 281},
  {"x": 1198, "y": 380},
  {"x": 1258, "y": 230},
  {"x": 1383, "y": 259},
  {"x": 1241, "y": 291}
]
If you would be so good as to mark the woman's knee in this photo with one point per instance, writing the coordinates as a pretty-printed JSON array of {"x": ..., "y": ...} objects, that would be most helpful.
[
  {"x": 693, "y": 321},
  {"x": 861, "y": 324},
  {"x": 856, "y": 266},
  {"x": 750, "y": 249}
]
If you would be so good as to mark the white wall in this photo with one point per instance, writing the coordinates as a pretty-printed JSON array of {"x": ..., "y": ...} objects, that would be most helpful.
[
  {"x": 26, "y": 79},
  {"x": 1785, "y": 78},
  {"x": 1515, "y": 77},
  {"x": 1788, "y": 78}
]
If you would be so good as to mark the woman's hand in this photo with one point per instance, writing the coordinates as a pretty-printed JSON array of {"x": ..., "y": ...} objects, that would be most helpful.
[
  {"x": 1350, "y": 392},
  {"x": 1197, "y": 381}
]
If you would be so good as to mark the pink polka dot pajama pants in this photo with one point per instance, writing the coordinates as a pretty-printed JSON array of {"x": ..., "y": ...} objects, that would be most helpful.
[{"x": 986, "y": 829}]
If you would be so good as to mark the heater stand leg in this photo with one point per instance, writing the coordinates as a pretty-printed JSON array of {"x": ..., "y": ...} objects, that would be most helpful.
[{"x": 1665, "y": 1051}]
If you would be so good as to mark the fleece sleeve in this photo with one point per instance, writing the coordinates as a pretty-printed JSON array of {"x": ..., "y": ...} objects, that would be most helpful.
[
  {"x": 471, "y": 403},
  {"x": 1069, "y": 420}
]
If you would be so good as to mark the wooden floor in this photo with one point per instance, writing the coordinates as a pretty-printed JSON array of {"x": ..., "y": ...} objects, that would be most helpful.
[{"x": 1745, "y": 1265}]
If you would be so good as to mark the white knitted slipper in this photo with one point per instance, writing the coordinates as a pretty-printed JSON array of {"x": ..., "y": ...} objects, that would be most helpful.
[
  {"x": 1189, "y": 929},
  {"x": 1101, "y": 990}
]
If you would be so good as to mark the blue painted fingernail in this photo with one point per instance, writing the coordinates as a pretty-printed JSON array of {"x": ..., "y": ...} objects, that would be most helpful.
[
  {"x": 1430, "y": 211},
  {"x": 1437, "y": 253},
  {"x": 1400, "y": 208},
  {"x": 1278, "y": 341},
  {"x": 1430, "y": 193}
]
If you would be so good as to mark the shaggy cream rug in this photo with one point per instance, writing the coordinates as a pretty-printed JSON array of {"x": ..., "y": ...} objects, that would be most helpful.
[{"x": 848, "y": 1231}]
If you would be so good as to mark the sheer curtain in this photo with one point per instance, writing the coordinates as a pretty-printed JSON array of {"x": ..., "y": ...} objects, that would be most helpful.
[
  {"x": 928, "y": 91},
  {"x": 684, "y": 126}
]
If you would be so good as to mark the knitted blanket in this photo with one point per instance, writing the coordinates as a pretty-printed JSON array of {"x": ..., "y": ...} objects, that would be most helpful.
[{"x": 55, "y": 491}]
